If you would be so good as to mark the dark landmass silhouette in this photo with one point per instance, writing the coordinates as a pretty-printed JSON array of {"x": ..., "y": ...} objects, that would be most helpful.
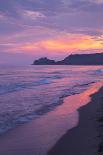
[
  {"x": 44, "y": 61},
  {"x": 76, "y": 59}
]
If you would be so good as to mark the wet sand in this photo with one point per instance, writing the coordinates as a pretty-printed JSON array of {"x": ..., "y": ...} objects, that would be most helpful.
[
  {"x": 40, "y": 135},
  {"x": 87, "y": 137}
]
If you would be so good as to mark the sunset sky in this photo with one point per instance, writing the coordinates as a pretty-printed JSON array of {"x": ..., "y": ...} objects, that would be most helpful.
[{"x": 30, "y": 29}]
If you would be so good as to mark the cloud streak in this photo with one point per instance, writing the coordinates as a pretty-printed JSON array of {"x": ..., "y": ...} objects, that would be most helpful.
[{"x": 54, "y": 28}]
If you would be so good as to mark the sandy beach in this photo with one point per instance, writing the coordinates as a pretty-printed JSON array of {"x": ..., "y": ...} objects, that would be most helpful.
[
  {"x": 87, "y": 137},
  {"x": 78, "y": 129}
]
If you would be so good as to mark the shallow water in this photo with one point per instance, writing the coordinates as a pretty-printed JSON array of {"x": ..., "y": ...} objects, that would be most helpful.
[
  {"x": 28, "y": 92},
  {"x": 40, "y": 135}
]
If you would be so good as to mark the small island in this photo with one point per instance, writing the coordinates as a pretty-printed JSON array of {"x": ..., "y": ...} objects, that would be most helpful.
[
  {"x": 44, "y": 61},
  {"x": 76, "y": 59}
]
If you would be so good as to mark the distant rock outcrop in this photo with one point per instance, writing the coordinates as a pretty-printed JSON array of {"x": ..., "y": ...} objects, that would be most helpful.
[
  {"x": 44, "y": 61},
  {"x": 76, "y": 59}
]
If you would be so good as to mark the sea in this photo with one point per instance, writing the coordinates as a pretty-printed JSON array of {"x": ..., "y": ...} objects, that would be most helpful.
[{"x": 30, "y": 92}]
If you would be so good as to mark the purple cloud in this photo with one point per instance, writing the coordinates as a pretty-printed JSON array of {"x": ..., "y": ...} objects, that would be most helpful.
[{"x": 24, "y": 21}]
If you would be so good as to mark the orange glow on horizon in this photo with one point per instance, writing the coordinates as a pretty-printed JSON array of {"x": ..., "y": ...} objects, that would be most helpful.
[
  {"x": 61, "y": 44},
  {"x": 80, "y": 44}
]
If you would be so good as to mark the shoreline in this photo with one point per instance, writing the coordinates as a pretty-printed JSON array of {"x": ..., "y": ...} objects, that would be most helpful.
[
  {"x": 29, "y": 138},
  {"x": 86, "y": 138}
]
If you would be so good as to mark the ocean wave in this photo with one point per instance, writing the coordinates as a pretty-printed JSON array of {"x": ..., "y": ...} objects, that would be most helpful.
[
  {"x": 96, "y": 72},
  {"x": 4, "y": 89},
  {"x": 9, "y": 121},
  {"x": 31, "y": 92}
]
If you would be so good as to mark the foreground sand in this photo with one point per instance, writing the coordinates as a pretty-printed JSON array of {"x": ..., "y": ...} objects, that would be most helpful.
[
  {"x": 87, "y": 137},
  {"x": 40, "y": 135}
]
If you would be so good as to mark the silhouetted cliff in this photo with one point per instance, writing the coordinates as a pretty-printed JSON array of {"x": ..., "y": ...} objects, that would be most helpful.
[
  {"x": 76, "y": 59},
  {"x": 44, "y": 61}
]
